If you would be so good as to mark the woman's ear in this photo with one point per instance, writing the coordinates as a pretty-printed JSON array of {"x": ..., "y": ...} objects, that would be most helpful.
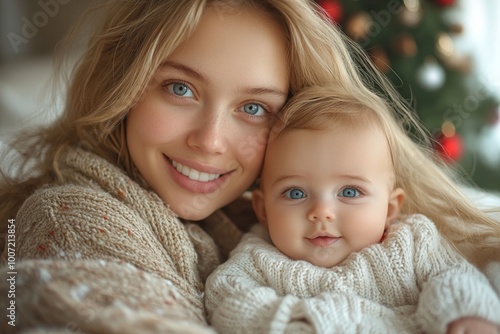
[
  {"x": 396, "y": 199},
  {"x": 259, "y": 207}
]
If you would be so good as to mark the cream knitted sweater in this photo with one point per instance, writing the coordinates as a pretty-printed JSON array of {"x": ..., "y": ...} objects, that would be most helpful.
[
  {"x": 101, "y": 254},
  {"x": 412, "y": 282}
]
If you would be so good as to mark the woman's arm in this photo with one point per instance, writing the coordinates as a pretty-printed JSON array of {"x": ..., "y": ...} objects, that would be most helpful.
[
  {"x": 94, "y": 296},
  {"x": 85, "y": 259}
]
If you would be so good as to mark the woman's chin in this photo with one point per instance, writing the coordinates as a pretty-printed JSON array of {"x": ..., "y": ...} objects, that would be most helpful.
[{"x": 191, "y": 213}]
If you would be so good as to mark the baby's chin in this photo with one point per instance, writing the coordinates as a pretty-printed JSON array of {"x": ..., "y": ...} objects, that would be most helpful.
[{"x": 322, "y": 259}]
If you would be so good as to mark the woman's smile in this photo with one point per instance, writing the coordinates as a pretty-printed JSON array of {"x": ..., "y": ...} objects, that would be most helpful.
[
  {"x": 196, "y": 180},
  {"x": 192, "y": 173}
]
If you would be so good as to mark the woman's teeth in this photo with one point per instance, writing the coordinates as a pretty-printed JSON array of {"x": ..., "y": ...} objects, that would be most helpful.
[{"x": 194, "y": 174}]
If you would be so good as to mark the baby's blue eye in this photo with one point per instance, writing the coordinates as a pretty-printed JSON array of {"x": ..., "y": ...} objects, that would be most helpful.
[
  {"x": 180, "y": 89},
  {"x": 295, "y": 193},
  {"x": 254, "y": 109},
  {"x": 349, "y": 192}
]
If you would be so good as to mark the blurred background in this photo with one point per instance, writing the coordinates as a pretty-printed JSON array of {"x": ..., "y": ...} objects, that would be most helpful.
[
  {"x": 29, "y": 31},
  {"x": 440, "y": 54}
]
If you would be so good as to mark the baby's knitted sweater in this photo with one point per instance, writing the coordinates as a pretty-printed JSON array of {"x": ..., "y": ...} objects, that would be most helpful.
[
  {"x": 101, "y": 254},
  {"x": 411, "y": 282}
]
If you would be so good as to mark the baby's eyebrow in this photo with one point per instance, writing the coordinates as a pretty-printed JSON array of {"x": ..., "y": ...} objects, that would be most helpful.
[
  {"x": 283, "y": 178},
  {"x": 355, "y": 178}
]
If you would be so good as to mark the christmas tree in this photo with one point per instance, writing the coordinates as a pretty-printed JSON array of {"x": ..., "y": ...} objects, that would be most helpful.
[{"x": 412, "y": 42}]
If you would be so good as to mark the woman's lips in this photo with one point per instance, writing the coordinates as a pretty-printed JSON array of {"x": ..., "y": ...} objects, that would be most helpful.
[
  {"x": 194, "y": 180},
  {"x": 194, "y": 174}
]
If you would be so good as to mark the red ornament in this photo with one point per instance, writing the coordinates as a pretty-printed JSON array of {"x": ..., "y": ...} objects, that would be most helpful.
[
  {"x": 494, "y": 117},
  {"x": 445, "y": 3},
  {"x": 451, "y": 148},
  {"x": 333, "y": 8}
]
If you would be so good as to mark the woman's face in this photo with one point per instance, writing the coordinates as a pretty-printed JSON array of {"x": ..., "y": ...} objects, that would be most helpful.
[{"x": 198, "y": 134}]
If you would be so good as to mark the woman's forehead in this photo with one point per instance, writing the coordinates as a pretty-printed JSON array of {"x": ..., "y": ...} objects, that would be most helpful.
[{"x": 231, "y": 45}]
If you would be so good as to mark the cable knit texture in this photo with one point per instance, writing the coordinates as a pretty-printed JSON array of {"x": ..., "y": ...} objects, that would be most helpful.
[
  {"x": 411, "y": 282},
  {"x": 101, "y": 254}
]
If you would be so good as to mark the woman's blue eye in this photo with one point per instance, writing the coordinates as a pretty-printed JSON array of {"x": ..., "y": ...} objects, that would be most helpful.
[
  {"x": 254, "y": 109},
  {"x": 349, "y": 192},
  {"x": 295, "y": 193},
  {"x": 180, "y": 89}
]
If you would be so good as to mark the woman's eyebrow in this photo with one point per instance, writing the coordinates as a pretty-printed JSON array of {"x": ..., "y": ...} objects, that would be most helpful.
[
  {"x": 266, "y": 91},
  {"x": 248, "y": 90},
  {"x": 183, "y": 68}
]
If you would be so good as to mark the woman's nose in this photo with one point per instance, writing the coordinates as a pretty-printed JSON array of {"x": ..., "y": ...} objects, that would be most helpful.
[
  {"x": 321, "y": 211},
  {"x": 209, "y": 134}
]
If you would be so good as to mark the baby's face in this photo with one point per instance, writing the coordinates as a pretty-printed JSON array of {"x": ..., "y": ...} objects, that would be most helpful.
[{"x": 326, "y": 192}]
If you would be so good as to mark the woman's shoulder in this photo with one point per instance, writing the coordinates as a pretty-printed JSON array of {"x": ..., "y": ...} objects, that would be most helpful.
[
  {"x": 76, "y": 220},
  {"x": 69, "y": 209},
  {"x": 92, "y": 188},
  {"x": 60, "y": 198}
]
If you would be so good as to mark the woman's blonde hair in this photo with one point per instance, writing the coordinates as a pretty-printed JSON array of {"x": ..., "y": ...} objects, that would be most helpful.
[
  {"x": 432, "y": 188},
  {"x": 131, "y": 41}
]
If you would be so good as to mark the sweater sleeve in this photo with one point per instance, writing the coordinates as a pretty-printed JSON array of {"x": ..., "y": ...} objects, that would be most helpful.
[
  {"x": 94, "y": 296},
  {"x": 83, "y": 260},
  {"x": 242, "y": 298},
  {"x": 451, "y": 287}
]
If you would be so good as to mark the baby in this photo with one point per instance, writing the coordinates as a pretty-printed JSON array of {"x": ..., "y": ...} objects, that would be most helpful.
[{"x": 337, "y": 250}]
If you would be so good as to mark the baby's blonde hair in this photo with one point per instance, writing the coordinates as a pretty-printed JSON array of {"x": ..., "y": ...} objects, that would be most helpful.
[{"x": 432, "y": 188}]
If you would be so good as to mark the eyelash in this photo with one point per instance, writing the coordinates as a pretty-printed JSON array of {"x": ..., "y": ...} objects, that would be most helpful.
[
  {"x": 266, "y": 108},
  {"x": 287, "y": 189},
  {"x": 165, "y": 85},
  {"x": 284, "y": 191},
  {"x": 358, "y": 189},
  {"x": 252, "y": 118}
]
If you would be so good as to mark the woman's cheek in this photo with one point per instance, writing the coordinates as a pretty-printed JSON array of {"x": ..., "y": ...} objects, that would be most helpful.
[{"x": 253, "y": 147}]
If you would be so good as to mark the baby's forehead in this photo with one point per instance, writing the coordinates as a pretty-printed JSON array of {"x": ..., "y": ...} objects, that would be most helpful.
[
  {"x": 328, "y": 153},
  {"x": 367, "y": 124},
  {"x": 298, "y": 141}
]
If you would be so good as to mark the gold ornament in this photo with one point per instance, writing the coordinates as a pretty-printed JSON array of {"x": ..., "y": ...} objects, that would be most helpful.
[
  {"x": 457, "y": 28},
  {"x": 445, "y": 46},
  {"x": 448, "y": 128},
  {"x": 405, "y": 45},
  {"x": 358, "y": 25},
  {"x": 445, "y": 49},
  {"x": 411, "y": 13},
  {"x": 380, "y": 59}
]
